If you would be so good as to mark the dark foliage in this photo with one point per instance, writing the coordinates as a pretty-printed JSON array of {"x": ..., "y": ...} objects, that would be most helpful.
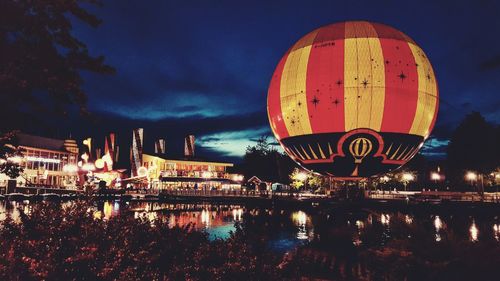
[
  {"x": 41, "y": 60},
  {"x": 474, "y": 146},
  {"x": 9, "y": 149},
  {"x": 56, "y": 243},
  {"x": 268, "y": 164}
]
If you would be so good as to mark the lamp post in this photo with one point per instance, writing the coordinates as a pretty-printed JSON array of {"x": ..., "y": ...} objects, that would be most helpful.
[
  {"x": 407, "y": 178},
  {"x": 471, "y": 176},
  {"x": 435, "y": 176}
]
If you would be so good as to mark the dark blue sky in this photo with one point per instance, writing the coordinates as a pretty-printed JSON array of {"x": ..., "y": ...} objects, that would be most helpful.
[{"x": 203, "y": 67}]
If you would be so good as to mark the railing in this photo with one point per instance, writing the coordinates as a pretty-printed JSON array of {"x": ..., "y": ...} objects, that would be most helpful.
[
  {"x": 214, "y": 193},
  {"x": 448, "y": 196}
]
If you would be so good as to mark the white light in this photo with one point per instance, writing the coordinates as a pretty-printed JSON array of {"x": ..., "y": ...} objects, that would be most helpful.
[
  {"x": 408, "y": 177},
  {"x": 15, "y": 159},
  {"x": 70, "y": 168},
  {"x": 142, "y": 171},
  {"x": 238, "y": 178},
  {"x": 474, "y": 232},
  {"x": 99, "y": 163},
  {"x": 385, "y": 219},
  {"x": 88, "y": 167},
  {"x": 44, "y": 160},
  {"x": 206, "y": 175},
  {"x": 471, "y": 176},
  {"x": 435, "y": 176},
  {"x": 301, "y": 176}
]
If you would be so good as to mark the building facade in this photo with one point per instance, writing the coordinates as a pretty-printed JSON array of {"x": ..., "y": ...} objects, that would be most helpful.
[
  {"x": 47, "y": 162},
  {"x": 174, "y": 174}
]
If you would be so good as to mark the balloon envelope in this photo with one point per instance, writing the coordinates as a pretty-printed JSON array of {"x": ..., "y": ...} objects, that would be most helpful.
[{"x": 353, "y": 99}]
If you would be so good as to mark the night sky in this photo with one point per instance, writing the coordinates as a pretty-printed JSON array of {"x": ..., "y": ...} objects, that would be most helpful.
[{"x": 203, "y": 67}]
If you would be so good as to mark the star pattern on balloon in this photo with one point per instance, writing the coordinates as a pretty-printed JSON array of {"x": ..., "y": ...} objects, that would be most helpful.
[
  {"x": 365, "y": 83},
  {"x": 315, "y": 101},
  {"x": 402, "y": 76}
]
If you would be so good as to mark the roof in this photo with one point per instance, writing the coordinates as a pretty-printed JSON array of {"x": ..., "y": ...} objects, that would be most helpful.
[{"x": 40, "y": 142}]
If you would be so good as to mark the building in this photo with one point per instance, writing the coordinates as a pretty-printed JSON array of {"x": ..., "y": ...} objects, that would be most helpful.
[
  {"x": 170, "y": 174},
  {"x": 46, "y": 161}
]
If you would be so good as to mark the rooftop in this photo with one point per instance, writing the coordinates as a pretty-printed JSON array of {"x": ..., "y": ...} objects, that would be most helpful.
[{"x": 40, "y": 142}]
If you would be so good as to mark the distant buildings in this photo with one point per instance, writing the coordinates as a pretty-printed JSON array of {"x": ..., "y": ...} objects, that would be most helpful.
[
  {"x": 158, "y": 171},
  {"x": 60, "y": 163},
  {"x": 47, "y": 161}
]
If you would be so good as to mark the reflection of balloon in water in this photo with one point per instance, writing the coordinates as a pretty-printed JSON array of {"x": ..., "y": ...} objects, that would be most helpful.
[{"x": 353, "y": 99}]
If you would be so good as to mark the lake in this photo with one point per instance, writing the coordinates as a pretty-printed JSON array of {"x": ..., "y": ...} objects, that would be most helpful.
[{"x": 285, "y": 229}]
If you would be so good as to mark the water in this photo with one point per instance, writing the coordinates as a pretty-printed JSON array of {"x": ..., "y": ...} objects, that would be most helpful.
[{"x": 286, "y": 229}]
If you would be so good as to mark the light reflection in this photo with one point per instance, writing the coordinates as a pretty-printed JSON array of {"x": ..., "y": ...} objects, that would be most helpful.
[
  {"x": 300, "y": 219},
  {"x": 360, "y": 224},
  {"x": 474, "y": 232},
  {"x": 408, "y": 219},
  {"x": 205, "y": 218},
  {"x": 438, "y": 225},
  {"x": 496, "y": 231},
  {"x": 385, "y": 219},
  {"x": 237, "y": 213}
]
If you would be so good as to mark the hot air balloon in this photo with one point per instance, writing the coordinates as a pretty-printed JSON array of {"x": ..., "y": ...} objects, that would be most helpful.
[{"x": 353, "y": 99}]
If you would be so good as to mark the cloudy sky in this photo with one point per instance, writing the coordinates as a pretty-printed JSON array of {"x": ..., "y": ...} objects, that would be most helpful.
[{"x": 203, "y": 67}]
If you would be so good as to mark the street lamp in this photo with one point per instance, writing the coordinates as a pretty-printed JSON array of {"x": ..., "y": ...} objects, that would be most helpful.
[
  {"x": 471, "y": 176},
  {"x": 435, "y": 176},
  {"x": 407, "y": 178}
]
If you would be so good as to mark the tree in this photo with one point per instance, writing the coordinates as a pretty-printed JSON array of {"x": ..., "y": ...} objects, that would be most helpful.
[
  {"x": 9, "y": 155},
  {"x": 41, "y": 60},
  {"x": 302, "y": 178},
  {"x": 264, "y": 161},
  {"x": 474, "y": 146}
]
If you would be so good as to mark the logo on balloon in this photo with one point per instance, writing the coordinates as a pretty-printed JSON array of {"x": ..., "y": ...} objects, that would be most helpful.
[{"x": 359, "y": 149}]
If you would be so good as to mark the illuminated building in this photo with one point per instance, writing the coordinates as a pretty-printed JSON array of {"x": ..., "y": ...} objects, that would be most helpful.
[
  {"x": 164, "y": 173},
  {"x": 47, "y": 161}
]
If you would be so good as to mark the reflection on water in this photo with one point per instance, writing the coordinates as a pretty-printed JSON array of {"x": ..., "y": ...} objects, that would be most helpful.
[
  {"x": 302, "y": 221},
  {"x": 474, "y": 232},
  {"x": 496, "y": 231},
  {"x": 295, "y": 227},
  {"x": 438, "y": 225},
  {"x": 385, "y": 219},
  {"x": 408, "y": 219}
]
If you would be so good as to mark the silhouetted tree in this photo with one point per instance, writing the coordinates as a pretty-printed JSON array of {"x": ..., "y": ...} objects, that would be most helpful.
[
  {"x": 41, "y": 60},
  {"x": 474, "y": 145},
  {"x": 264, "y": 161},
  {"x": 9, "y": 152}
]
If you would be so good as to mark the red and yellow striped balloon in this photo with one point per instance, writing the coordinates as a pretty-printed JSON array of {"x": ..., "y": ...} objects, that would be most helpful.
[{"x": 347, "y": 81}]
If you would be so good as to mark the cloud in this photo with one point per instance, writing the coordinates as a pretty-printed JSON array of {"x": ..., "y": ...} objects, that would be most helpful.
[
  {"x": 435, "y": 148},
  {"x": 233, "y": 143}
]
